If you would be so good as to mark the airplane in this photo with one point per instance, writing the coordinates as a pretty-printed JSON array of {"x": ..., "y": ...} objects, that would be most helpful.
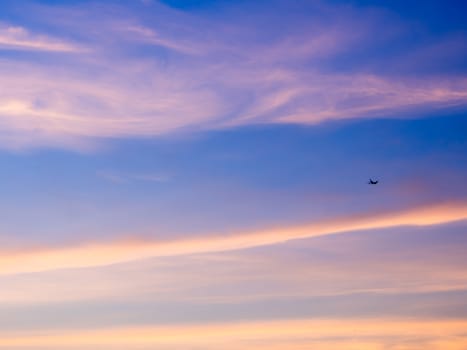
[{"x": 371, "y": 182}]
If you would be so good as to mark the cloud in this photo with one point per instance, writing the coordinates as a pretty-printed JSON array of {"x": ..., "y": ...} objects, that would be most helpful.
[
  {"x": 101, "y": 254},
  {"x": 19, "y": 38},
  {"x": 343, "y": 269},
  {"x": 149, "y": 36},
  {"x": 119, "y": 177},
  {"x": 160, "y": 70},
  {"x": 330, "y": 334}
]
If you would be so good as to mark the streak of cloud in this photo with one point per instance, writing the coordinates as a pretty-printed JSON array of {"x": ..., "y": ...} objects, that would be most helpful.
[
  {"x": 119, "y": 177},
  {"x": 101, "y": 254},
  {"x": 369, "y": 334},
  {"x": 19, "y": 38},
  {"x": 342, "y": 266}
]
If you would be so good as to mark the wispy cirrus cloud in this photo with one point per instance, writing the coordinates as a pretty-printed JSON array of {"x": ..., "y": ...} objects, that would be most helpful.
[
  {"x": 119, "y": 177},
  {"x": 156, "y": 70},
  {"x": 101, "y": 254},
  {"x": 148, "y": 36},
  {"x": 339, "y": 268},
  {"x": 19, "y": 38}
]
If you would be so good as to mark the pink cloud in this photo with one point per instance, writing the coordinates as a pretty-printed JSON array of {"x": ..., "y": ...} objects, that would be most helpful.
[
  {"x": 206, "y": 73},
  {"x": 19, "y": 38}
]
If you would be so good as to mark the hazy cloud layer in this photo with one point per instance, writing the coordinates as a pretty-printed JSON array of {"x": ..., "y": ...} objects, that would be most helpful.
[
  {"x": 158, "y": 195},
  {"x": 329, "y": 334}
]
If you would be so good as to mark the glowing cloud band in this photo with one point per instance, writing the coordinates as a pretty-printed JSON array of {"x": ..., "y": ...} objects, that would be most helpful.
[{"x": 101, "y": 254}]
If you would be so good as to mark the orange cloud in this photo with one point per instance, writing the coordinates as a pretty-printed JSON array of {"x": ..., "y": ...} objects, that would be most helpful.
[
  {"x": 371, "y": 334},
  {"x": 101, "y": 254}
]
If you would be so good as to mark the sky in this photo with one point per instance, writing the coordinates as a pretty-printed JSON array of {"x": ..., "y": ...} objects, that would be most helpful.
[{"x": 193, "y": 174}]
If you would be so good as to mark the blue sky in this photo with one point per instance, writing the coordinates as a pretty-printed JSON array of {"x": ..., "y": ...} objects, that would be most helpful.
[{"x": 200, "y": 167}]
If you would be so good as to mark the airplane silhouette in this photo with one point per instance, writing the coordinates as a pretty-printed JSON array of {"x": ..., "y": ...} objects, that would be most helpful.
[{"x": 371, "y": 182}]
